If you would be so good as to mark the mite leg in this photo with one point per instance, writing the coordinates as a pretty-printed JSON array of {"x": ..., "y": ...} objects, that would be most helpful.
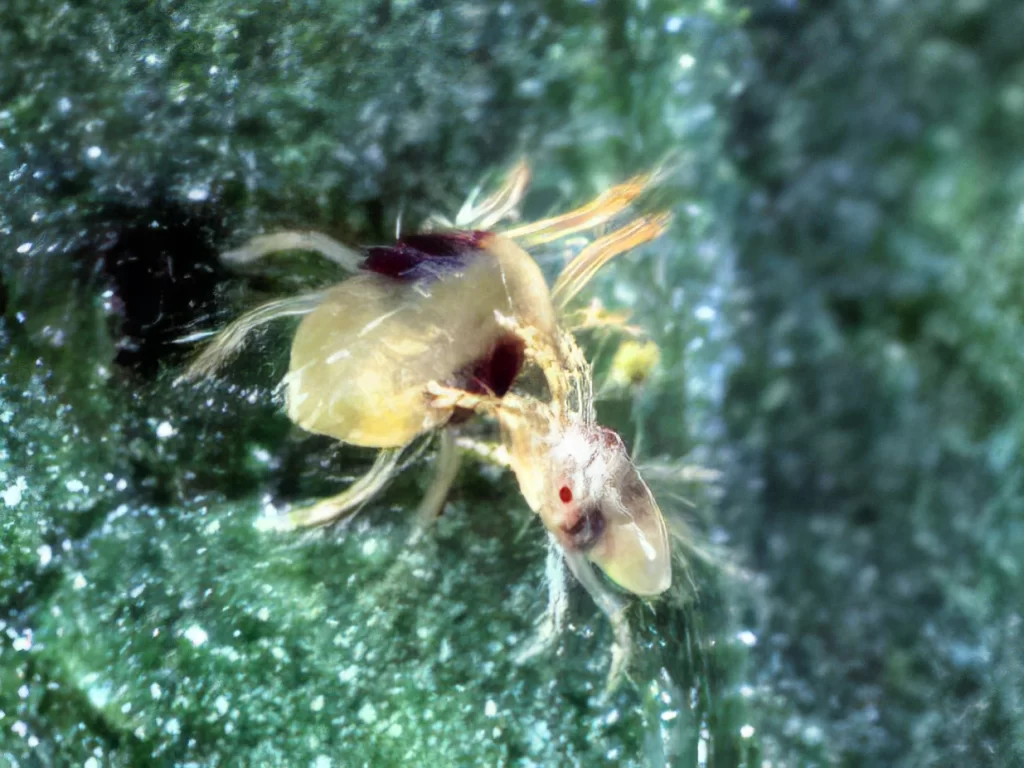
[
  {"x": 489, "y": 453},
  {"x": 497, "y": 206},
  {"x": 233, "y": 338},
  {"x": 345, "y": 504},
  {"x": 537, "y": 345},
  {"x": 595, "y": 316},
  {"x": 513, "y": 413},
  {"x": 446, "y": 398},
  {"x": 263, "y": 245},
  {"x": 445, "y": 470},
  {"x": 576, "y": 373},
  {"x": 553, "y": 621},
  {"x": 613, "y": 606},
  {"x": 581, "y": 270},
  {"x": 598, "y": 211}
]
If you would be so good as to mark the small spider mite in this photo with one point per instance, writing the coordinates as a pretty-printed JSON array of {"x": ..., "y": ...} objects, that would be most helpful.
[{"x": 437, "y": 327}]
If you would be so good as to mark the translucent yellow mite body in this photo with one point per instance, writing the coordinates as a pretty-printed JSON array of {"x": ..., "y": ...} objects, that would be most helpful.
[{"x": 361, "y": 361}]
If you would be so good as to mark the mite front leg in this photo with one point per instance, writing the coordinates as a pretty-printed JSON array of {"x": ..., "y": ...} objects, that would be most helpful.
[
  {"x": 553, "y": 621},
  {"x": 448, "y": 398},
  {"x": 264, "y": 245},
  {"x": 345, "y": 504},
  {"x": 614, "y": 607}
]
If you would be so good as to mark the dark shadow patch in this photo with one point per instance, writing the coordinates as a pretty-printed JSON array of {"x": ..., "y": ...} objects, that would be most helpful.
[{"x": 162, "y": 263}]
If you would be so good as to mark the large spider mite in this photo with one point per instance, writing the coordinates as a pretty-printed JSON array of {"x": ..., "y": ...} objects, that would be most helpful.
[{"x": 438, "y": 327}]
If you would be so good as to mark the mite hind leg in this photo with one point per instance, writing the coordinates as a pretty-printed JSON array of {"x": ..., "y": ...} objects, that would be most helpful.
[
  {"x": 230, "y": 341},
  {"x": 317, "y": 242},
  {"x": 345, "y": 504},
  {"x": 602, "y": 208}
]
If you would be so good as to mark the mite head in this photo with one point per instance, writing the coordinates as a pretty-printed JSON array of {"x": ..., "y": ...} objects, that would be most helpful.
[{"x": 597, "y": 504}]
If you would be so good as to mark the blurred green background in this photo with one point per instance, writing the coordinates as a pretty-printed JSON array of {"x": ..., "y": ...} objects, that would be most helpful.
[{"x": 837, "y": 304}]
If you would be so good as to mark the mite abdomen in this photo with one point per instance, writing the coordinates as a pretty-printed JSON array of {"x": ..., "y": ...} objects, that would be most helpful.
[{"x": 360, "y": 362}]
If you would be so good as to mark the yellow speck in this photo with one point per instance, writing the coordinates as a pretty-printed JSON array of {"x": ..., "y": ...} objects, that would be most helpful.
[{"x": 634, "y": 362}]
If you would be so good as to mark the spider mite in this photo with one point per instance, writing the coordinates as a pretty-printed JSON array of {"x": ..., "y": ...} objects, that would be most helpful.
[
  {"x": 578, "y": 477},
  {"x": 438, "y": 326}
]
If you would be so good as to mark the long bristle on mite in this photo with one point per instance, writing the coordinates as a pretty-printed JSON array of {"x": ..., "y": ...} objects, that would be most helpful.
[
  {"x": 589, "y": 261},
  {"x": 605, "y": 207}
]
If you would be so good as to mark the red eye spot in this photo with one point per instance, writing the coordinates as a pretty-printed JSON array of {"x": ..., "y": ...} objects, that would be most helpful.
[{"x": 565, "y": 494}]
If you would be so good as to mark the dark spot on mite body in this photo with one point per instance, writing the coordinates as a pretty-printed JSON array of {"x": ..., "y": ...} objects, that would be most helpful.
[
  {"x": 431, "y": 256},
  {"x": 494, "y": 373},
  {"x": 425, "y": 257},
  {"x": 587, "y": 530}
]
